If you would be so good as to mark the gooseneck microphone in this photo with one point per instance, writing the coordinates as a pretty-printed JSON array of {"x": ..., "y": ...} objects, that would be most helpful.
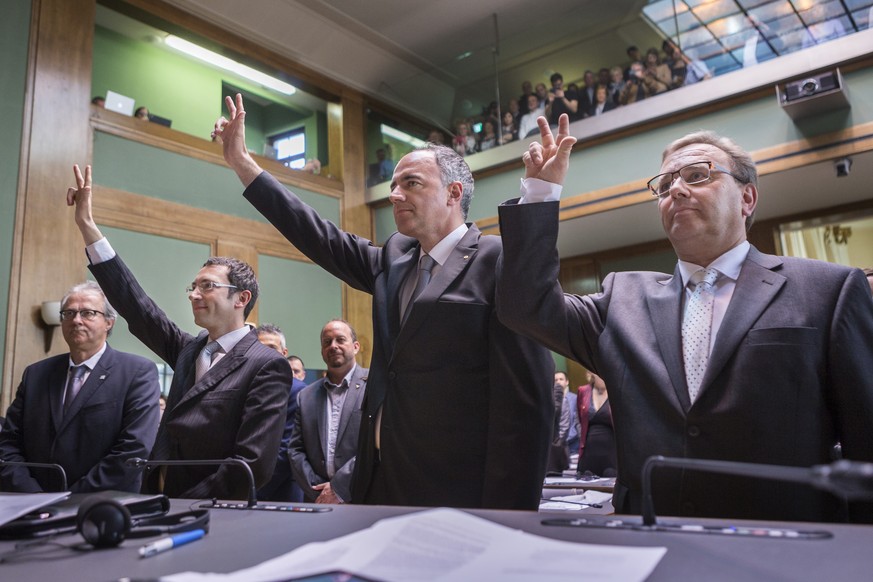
[
  {"x": 252, "y": 500},
  {"x": 850, "y": 479},
  {"x": 54, "y": 466}
]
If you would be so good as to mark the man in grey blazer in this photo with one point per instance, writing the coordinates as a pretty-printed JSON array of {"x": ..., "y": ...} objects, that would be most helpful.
[
  {"x": 88, "y": 426},
  {"x": 324, "y": 440},
  {"x": 787, "y": 368},
  {"x": 458, "y": 409},
  {"x": 229, "y": 393}
]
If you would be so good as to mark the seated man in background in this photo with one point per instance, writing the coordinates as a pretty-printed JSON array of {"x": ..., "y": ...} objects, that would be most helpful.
[
  {"x": 229, "y": 393},
  {"x": 88, "y": 411},
  {"x": 736, "y": 356},
  {"x": 282, "y": 486},
  {"x": 325, "y": 438}
]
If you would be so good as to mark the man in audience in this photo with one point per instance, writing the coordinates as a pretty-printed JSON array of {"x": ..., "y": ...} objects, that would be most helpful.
[
  {"x": 571, "y": 403},
  {"x": 762, "y": 359},
  {"x": 328, "y": 421},
  {"x": 281, "y": 486},
  {"x": 561, "y": 101},
  {"x": 528, "y": 123},
  {"x": 298, "y": 368},
  {"x": 229, "y": 393},
  {"x": 542, "y": 94},
  {"x": 526, "y": 91},
  {"x": 585, "y": 96},
  {"x": 88, "y": 411},
  {"x": 458, "y": 408}
]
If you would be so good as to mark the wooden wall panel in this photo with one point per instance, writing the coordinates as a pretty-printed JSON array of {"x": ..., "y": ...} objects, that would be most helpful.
[{"x": 47, "y": 255}]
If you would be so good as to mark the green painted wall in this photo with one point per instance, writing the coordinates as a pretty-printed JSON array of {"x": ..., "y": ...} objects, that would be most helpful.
[
  {"x": 134, "y": 167},
  {"x": 188, "y": 93},
  {"x": 14, "y": 28},
  {"x": 164, "y": 267},
  {"x": 300, "y": 298}
]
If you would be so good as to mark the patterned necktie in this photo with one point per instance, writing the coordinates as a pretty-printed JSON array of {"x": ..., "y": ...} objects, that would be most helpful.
[
  {"x": 696, "y": 328},
  {"x": 74, "y": 384},
  {"x": 204, "y": 360},
  {"x": 424, "y": 269}
]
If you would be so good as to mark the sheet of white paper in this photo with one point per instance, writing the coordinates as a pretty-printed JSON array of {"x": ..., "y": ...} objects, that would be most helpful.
[
  {"x": 14, "y": 505},
  {"x": 447, "y": 544},
  {"x": 575, "y": 502},
  {"x": 581, "y": 483}
]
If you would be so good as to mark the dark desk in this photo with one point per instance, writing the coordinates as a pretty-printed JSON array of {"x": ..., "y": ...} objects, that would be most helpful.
[{"x": 240, "y": 539}]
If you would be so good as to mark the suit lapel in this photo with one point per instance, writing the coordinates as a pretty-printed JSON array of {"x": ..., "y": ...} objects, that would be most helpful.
[
  {"x": 95, "y": 380},
  {"x": 225, "y": 366},
  {"x": 457, "y": 262},
  {"x": 665, "y": 305},
  {"x": 400, "y": 270},
  {"x": 756, "y": 288},
  {"x": 352, "y": 401},
  {"x": 57, "y": 385}
]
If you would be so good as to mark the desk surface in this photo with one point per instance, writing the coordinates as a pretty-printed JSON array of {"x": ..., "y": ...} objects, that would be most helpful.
[{"x": 239, "y": 539}]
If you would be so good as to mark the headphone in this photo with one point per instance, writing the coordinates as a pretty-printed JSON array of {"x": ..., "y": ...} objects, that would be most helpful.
[{"x": 105, "y": 523}]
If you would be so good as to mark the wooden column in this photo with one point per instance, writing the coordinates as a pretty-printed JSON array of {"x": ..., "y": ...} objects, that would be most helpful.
[
  {"x": 356, "y": 215},
  {"x": 48, "y": 256}
]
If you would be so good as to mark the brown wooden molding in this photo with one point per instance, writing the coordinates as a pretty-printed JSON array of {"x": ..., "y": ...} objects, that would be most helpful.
[
  {"x": 165, "y": 138},
  {"x": 138, "y": 213}
]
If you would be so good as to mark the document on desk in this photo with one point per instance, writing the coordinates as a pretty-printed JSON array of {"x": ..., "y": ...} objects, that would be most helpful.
[
  {"x": 448, "y": 544},
  {"x": 14, "y": 505}
]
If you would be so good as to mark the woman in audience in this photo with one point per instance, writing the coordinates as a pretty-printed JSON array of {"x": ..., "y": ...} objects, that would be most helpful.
[
  {"x": 658, "y": 77},
  {"x": 488, "y": 139},
  {"x": 508, "y": 128},
  {"x": 596, "y": 435}
]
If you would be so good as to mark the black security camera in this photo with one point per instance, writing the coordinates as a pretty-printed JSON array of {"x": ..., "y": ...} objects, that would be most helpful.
[{"x": 843, "y": 166}]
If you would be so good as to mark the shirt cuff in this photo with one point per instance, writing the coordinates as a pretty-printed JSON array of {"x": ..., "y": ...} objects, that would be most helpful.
[
  {"x": 100, "y": 251},
  {"x": 536, "y": 190}
]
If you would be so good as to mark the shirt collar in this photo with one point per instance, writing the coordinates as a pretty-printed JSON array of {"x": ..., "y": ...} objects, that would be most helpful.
[
  {"x": 347, "y": 379},
  {"x": 229, "y": 340},
  {"x": 92, "y": 361},
  {"x": 728, "y": 265},
  {"x": 443, "y": 249}
]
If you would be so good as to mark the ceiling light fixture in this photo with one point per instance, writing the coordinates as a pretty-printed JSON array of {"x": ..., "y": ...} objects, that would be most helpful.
[{"x": 227, "y": 64}]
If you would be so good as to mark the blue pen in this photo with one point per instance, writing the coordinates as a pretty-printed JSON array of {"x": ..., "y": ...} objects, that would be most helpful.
[{"x": 170, "y": 542}]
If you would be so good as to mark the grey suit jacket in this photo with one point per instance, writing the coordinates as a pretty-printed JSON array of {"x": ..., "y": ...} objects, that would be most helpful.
[
  {"x": 308, "y": 448},
  {"x": 791, "y": 371},
  {"x": 236, "y": 410},
  {"x": 113, "y": 418},
  {"x": 466, "y": 403}
]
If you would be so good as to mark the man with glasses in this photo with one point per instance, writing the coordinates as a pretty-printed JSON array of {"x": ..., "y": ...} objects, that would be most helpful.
[
  {"x": 229, "y": 392},
  {"x": 736, "y": 356},
  {"x": 88, "y": 411}
]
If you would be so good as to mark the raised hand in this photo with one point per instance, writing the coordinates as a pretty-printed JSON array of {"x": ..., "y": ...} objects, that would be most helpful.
[
  {"x": 549, "y": 159},
  {"x": 80, "y": 196},
  {"x": 231, "y": 134}
]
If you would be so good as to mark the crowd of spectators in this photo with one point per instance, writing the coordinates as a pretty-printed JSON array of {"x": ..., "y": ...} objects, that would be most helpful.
[{"x": 644, "y": 76}]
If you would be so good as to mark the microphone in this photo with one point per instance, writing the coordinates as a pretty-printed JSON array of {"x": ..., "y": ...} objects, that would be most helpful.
[
  {"x": 54, "y": 466},
  {"x": 252, "y": 501},
  {"x": 850, "y": 479}
]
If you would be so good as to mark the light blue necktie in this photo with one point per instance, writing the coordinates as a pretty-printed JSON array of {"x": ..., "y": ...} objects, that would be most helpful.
[{"x": 697, "y": 327}]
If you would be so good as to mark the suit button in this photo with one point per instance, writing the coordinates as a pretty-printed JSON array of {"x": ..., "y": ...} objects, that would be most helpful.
[
  {"x": 392, "y": 375},
  {"x": 693, "y": 431}
]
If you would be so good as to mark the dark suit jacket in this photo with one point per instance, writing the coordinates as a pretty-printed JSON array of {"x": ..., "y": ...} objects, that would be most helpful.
[
  {"x": 467, "y": 406},
  {"x": 281, "y": 486},
  {"x": 308, "y": 448},
  {"x": 113, "y": 418},
  {"x": 237, "y": 410},
  {"x": 791, "y": 372}
]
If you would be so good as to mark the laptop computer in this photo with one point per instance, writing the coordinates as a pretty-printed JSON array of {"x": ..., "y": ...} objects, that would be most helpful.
[{"x": 119, "y": 103}]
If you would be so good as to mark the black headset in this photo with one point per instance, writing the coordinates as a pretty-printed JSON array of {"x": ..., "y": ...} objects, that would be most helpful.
[{"x": 105, "y": 523}]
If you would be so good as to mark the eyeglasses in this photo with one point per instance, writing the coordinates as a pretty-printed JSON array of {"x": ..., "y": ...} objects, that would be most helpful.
[
  {"x": 207, "y": 286},
  {"x": 86, "y": 314},
  {"x": 692, "y": 174}
]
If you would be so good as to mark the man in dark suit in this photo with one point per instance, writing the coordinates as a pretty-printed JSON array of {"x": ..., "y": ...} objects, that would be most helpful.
[
  {"x": 282, "y": 486},
  {"x": 324, "y": 441},
  {"x": 458, "y": 409},
  {"x": 229, "y": 393},
  {"x": 87, "y": 411},
  {"x": 785, "y": 368}
]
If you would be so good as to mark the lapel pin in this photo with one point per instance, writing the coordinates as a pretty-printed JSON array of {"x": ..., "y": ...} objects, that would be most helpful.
[
  {"x": 103, "y": 377},
  {"x": 466, "y": 257}
]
